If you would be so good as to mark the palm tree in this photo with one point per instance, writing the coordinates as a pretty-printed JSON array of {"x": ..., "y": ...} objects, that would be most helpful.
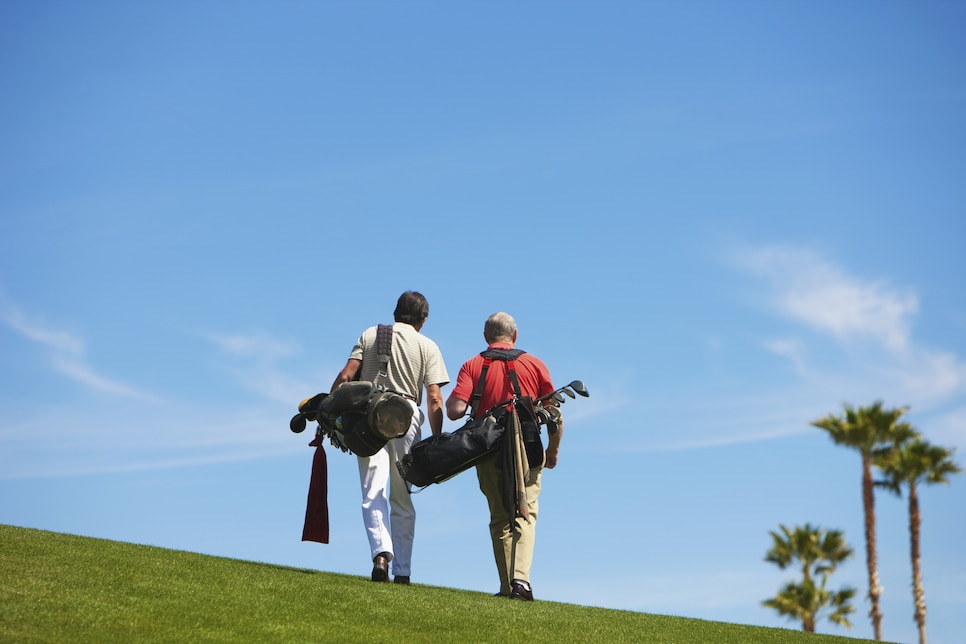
[
  {"x": 865, "y": 429},
  {"x": 913, "y": 461},
  {"x": 818, "y": 552}
]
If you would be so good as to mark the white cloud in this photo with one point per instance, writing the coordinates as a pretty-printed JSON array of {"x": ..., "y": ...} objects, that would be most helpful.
[
  {"x": 78, "y": 370},
  {"x": 946, "y": 429},
  {"x": 66, "y": 353},
  {"x": 61, "y": 341},
  {"x": 891, "y": 365},
  {"x": 792, "y": 349},
  {"x": 674, "y": 594},
  {"x": 254, "y": 361},
  {"x": 123, "y": 434},
  {"x": 124, "y": 438},
  {"x": 930, "y": 375},
  {"x": 816, "y": 292},
  {"x": 718, "y": 423},
  {"x": 259, "y": 346}
]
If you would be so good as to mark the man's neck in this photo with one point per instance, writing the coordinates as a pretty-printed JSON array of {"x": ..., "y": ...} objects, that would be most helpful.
[{"x": 501, "y": 344}]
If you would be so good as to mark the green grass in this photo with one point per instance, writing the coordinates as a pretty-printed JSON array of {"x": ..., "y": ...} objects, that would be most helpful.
[{"x": 56, "y": 587}]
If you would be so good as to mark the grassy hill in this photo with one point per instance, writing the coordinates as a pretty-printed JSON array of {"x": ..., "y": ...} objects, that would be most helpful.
[{"x": 57, "y": 587}]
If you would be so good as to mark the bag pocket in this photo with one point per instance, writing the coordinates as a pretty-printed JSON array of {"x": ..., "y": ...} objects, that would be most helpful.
[{"x": 442, "y": 457}]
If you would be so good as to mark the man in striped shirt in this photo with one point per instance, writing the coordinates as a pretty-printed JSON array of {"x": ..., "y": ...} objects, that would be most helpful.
[{"x": 415, "y": 364}]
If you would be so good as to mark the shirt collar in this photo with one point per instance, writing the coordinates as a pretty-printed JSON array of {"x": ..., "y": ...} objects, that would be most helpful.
[{"x": 501, "y": 344}]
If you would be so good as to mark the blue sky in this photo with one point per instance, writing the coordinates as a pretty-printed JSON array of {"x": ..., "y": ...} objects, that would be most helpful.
[{"x": 727, "y": 219}]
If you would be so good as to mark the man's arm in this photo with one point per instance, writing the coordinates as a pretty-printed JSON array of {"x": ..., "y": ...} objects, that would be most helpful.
[
  {"x": 553, "y": 446},
  {"x": 434, "y": 404},
  {"x": 455, "y": 408},
  {"x": 348, "y": 373}
]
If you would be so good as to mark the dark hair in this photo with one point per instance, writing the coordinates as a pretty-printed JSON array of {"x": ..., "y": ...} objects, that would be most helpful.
[{"x": 411, "y": 308}]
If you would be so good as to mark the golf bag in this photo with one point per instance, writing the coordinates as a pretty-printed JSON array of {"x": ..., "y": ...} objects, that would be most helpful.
[
  {"x": 439, "y": 458},
  {"x": 442, "y": 457},
  {"x": 360, "y": 416}
]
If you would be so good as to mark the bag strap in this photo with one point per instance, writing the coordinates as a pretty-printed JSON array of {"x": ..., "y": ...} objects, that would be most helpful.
[
  {"x": 478, "y": 392},
  {"x": 503, "y": 355},
  {"x": 383, "y": 352},
  {"x": 511, "y": 370},
  {"x": 384, "y": 334}
]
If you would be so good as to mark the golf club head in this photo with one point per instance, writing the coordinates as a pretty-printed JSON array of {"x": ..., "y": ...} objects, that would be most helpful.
[
  {"x": 297, "y": 424},
  {"x": 559, "y": 397},
  {"x": 568, "y": 392},
  {"x": 579, "y": 387}
]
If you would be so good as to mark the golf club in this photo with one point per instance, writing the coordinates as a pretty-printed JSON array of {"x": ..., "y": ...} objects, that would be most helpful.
[{"x": 558, "y": 395}]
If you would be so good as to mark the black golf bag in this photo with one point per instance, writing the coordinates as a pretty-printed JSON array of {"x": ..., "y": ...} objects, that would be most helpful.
[
  {"x": 360, "y": 416},
  {"x": 442, "y": 457}
]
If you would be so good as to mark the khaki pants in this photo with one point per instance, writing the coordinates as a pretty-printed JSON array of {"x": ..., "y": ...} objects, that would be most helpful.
[{"x": 512, "y": 550}]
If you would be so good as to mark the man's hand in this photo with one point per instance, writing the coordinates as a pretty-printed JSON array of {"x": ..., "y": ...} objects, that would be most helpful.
[{"x": 551, "y": 461}]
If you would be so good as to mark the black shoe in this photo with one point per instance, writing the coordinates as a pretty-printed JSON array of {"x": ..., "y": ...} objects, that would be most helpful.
[
  {"x": 521, "y": 592},
  {"x": 401, "y": 579},
  {"x": 380, "y": 567}
]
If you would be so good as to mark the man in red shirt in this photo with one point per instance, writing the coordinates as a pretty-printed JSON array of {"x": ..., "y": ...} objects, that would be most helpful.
[{"x": 512, "y": 544}]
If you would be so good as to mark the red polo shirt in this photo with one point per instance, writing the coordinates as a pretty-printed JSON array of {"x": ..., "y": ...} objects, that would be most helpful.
[{"x": 532, "y": 374}]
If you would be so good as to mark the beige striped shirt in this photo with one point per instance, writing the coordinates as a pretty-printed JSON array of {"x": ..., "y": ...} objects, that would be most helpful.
[{"x": 416, "y": 361}]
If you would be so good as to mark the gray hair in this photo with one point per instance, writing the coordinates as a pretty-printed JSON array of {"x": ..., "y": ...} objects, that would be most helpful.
[{"x": 499, "y": 326}]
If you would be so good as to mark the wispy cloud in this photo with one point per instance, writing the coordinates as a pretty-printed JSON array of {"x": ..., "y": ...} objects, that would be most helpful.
[
  {"x": 713, "y": 423},
  {"x": 253, "y": 360},
  {"x": 259, "y": 346},
  {"x": 60, "y": 341},
  {"x": 949, "y": 429},
  {"x": 123, "y": 438},
  {"x": 812, "y": 290},
  {"x": 673, "y": 594},
  {"x": 62, "y": 466},
  {"x": 120, "y": 435},
  {"x": 66, "y": 353},
  {"x": 793, "y": 349},
  {"x": 876, "y": 355},
  {"x": 863, "y": 349}
]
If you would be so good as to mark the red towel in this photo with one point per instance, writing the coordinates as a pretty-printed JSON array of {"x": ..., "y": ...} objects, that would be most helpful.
[{"x": 316, "y": 526}]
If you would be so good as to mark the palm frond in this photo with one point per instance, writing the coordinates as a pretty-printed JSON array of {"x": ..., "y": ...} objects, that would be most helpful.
[
  {"x": 916, "y": 461},
  {"x": 818, "y": 551}
]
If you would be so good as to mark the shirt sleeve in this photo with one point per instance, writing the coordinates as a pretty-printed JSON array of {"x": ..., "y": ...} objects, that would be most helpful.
[
  {"x": 464, "y": 384},
  {"x": 357, "y": 350},
  {"x": 435, "y": 367},
  {"x": 546, "y": 384}
]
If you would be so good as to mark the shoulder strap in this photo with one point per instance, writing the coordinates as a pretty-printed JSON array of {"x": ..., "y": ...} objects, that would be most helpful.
[
  {"x": 511, "y": 371},
  {"x": 504, "y": 355},
  {"x": 383, "y": 352}
]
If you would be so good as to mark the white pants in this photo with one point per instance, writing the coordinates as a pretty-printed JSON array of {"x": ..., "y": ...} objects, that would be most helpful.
[{"x": 390, "y": 520}]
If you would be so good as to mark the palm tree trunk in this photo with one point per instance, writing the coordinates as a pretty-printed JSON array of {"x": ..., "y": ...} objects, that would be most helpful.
[
  {"x": 918, "y": 594},
  {"x": 868, "y": 503}
]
